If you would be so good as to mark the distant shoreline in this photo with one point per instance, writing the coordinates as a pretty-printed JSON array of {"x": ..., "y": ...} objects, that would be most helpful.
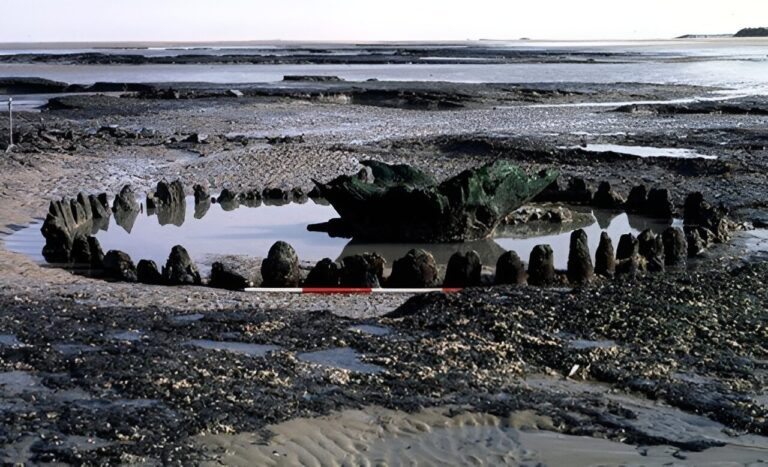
[{"x": 292, "y": 43}]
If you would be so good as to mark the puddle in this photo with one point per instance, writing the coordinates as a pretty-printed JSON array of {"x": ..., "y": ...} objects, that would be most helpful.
[
  {"x": 74, "y": 349},
  {"x": 102, "y": 404},
  {"x": 692, "y": 378},
  {"x": 244, "y": 348},
  {"x": 251, "y": 232},
  {"x": 130, "y": 336},
  {"x": 645, "y": 151},
  {"x": 344, "y": 358},
  {"x": 188, "y": 318},
  {"x": 371, "y": 329},
  {"x": 16, "y": 382},
  {"x": 9, "y": 340},
  {"x": 755, "y": 242},
  {"x": 581, "y": 344}
]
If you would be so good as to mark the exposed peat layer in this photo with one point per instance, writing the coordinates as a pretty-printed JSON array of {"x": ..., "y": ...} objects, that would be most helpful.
[{"x": 116, "y": 363}]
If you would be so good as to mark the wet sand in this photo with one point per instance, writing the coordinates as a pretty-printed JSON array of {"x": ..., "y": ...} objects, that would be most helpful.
[{"x": 451, "y": 436}]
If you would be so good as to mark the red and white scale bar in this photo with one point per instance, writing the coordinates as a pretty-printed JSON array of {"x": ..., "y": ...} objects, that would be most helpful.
[{"x": 346, "y": 290}]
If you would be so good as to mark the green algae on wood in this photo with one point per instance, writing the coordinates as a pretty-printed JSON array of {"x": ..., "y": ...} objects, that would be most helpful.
[{"x": 399, "y": 203}]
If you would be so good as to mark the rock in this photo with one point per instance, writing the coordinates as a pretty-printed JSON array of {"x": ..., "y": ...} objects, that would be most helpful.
[
  {"x": 85, "y": 205},
  {"x": 224, "y": 276},
  {"x": 112, "y": 130},
  {"x": 275, "y": 196},
  {"x": 541, "y": 266},
  {"x": 659, "y": 204},
  {"x": 711, "y": 221},
  {"x": 324, "y": 274},
  {"x": 179, "y": 269},
  {"x": 287, "y": 139},
  {"x": 606, "y": 198},
  {"x": 627, "y": 256},
  {"x": 228, "y": 200},
  {"x": 578, "y": 192},
  {"x": 251, "y": 198},
  {"x": 637, "y": 199},
  {"x": 410, "y": 205},
  {"x": 696, "y": 244},
  {"x": 628, "y": 267},
  {"x": 99, "y": 206},
  {"x": 119, "y": 266},
  {"x": 202, "y": 195},
  {"x": 196, "y": 138},
  {"x": 417, "y": 269},
  {"x": 551, "y": 214},
  {"x": 366, "y": 270},
  {"x": 201, "y": 209},
  {"x": 126, "y": 208},
  {"x": 580, "y": 269},
  {"x": 605, "y": 259},
  {"x": 628, "y": 247},
  {"x": 170, "y": 202},
  {"x": 151, "y": 202},
  {"x": 81, "y": 251},
  {"x": 510, "y": 269},
  {"x": 281, "y": 267},
  {"x": 97, "y": 254},
  {"x": 170, "y": 94},
  {"x": 675, "y": 246},
  {"x": 313, "y": 78},
  {"x": 651, "y": 247},
  {"x": 147, "y": 272},
  {"x": 78, "y": 212},
  {"x": 66, "y": 220},
  {"x": 170, "y": 194},
  {"x": 464, "y": 270},
  {"x": 59, "y": 238},
  {"x": 125, "y": 201},
  {"x": 559, "y": 215},
  {"x": 298, "y": 195}
]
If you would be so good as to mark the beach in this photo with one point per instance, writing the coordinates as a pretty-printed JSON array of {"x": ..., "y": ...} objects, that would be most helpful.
[{"x": 659, "y": 367}]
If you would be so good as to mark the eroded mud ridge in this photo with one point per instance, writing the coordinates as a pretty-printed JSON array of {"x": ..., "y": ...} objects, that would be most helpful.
[
  {"x": 137, "y": 384},
  {"x": 93, "y": 371},
  {"x": 360, "y": 54}
]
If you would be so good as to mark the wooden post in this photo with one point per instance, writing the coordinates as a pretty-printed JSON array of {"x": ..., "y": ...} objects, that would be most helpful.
[{"x": 10, "y": 123}]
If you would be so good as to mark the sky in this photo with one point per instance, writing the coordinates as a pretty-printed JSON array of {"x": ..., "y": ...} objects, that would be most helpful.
[{"x": 367, "y": 20}]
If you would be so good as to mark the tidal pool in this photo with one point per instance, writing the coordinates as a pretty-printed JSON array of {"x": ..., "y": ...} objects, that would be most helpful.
[
  {"x": 243, "y": 348},
  {"x": 243, "y": 231},
  {"x": 647, "y": 151},
  {"x": 344, "y": 358}
]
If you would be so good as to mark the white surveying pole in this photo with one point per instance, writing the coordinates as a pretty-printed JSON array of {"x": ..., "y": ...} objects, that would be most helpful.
[{"x": 10, "y": 124}]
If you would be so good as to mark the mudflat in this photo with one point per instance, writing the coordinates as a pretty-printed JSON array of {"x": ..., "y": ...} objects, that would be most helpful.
[{"x": 663, "y": 367}]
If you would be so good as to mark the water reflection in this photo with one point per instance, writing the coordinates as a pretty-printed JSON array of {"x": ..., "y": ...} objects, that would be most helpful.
[
  {"x": 173, "y": 215},
  {"x": 647, "y": 151},
  {"x": 209, "y": 231},
  {"x": 126, "y": 219}
]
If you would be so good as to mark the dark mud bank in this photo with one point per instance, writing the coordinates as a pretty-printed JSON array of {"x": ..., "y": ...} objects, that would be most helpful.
[{"x": 142, "y": 394}]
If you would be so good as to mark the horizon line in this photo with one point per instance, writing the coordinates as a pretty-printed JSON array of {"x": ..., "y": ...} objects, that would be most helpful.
[{"x": 376, "y": 41}]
